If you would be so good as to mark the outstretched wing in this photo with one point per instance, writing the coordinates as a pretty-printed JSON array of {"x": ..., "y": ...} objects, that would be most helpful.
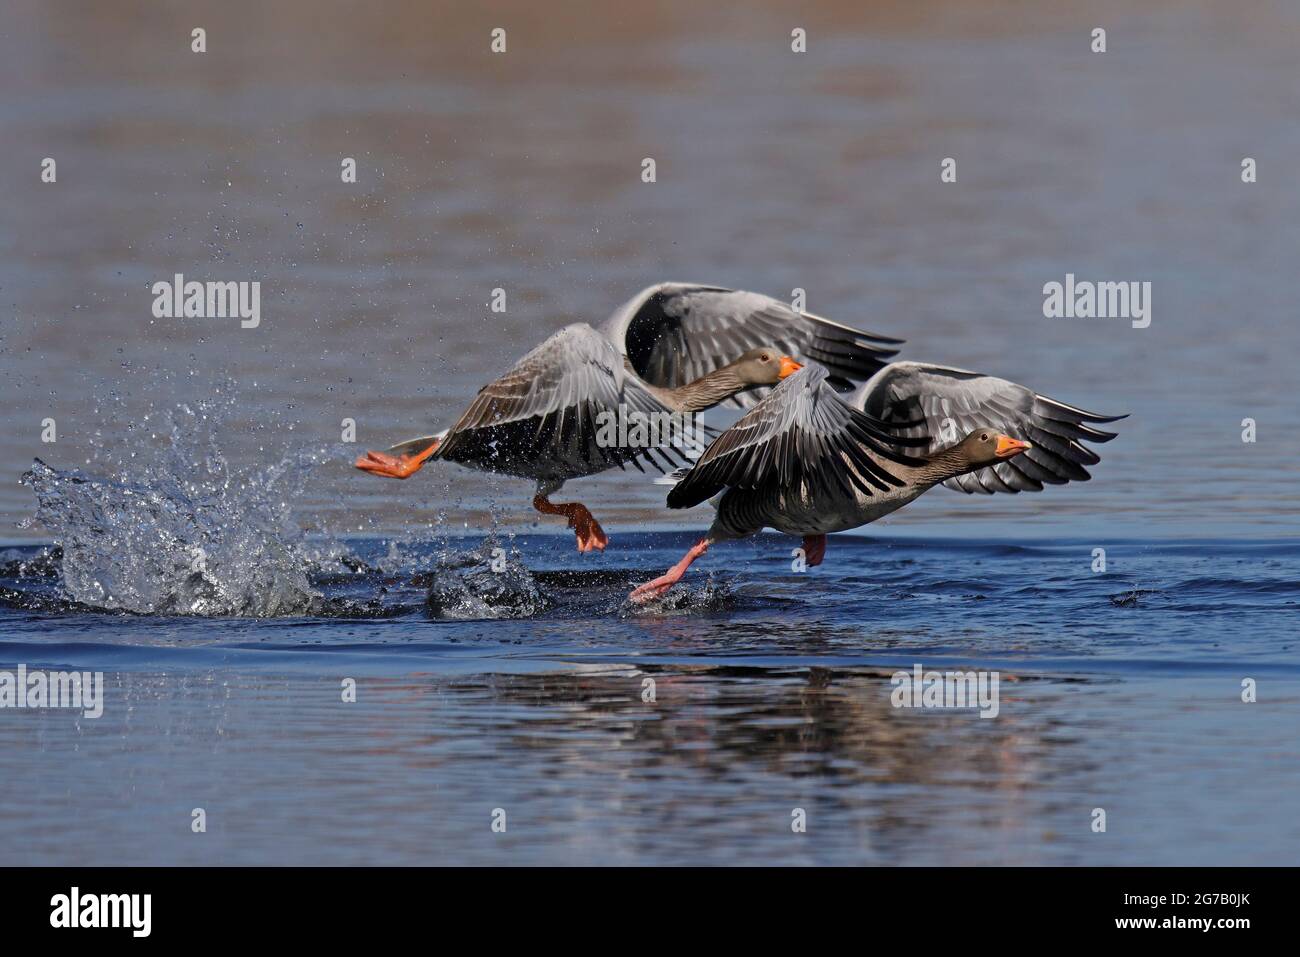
[
  {"x": 546, "y": 415},
  {"x": 674, "y": 332},
  {"x": 947, "y": 404},
  {"x": 802, "y": 435}
]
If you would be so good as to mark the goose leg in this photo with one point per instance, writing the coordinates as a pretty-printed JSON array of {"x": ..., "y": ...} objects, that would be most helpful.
[
  {"x": 395, "y": 466},
  {"x": 661, "y": 584},
  {"x": 814, "y": 549},
  {"x": 591, "y": 537}
]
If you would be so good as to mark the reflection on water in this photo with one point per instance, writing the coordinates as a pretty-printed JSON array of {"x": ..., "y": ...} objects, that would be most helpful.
[
  {"x": 771, "y": 692},
  {"x": 776, "y": 171},
  {"x": 587, "y": 772}
]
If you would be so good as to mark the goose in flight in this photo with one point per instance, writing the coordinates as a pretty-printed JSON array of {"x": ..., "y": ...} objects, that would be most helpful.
[
  {"x": 674, "y": 349},
  {"x": 807, "y": 461}
]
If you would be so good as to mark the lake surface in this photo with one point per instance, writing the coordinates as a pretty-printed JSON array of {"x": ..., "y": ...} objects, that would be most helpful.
[
  {"x": 1120, "y": 689},
  {"x": 772, "y": 692}
]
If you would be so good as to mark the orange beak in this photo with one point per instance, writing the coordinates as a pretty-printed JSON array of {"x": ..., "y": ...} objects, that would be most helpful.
[
  {"x": 788, "y": 367},
  {"x": 1007, "y": 447}
]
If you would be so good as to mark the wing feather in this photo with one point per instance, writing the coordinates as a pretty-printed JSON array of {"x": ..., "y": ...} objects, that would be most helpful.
[
  {"x": 947, "y": 404},
  {"x": 543, "y": 416},
  {"x": 802, "y": 435},
  {"x": 673, "y": 333}
]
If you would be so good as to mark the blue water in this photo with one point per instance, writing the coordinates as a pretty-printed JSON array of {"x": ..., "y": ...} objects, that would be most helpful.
[
  {"x": 1119, "y": 690},
  {"x": 196, "y": 443}
]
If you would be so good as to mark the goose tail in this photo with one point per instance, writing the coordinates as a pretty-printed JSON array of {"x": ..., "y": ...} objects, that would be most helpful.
[{"x": 672, "y": 478}]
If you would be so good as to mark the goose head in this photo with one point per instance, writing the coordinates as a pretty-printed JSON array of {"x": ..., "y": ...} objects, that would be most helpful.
[
  {"x": 765, "y": 365},
  {"x": 988, "y": 447}
]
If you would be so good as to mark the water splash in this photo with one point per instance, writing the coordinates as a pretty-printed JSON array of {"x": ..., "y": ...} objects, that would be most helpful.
[
  {"x": 711, "y": 596},
  {"x": 485, "y": 583},
  {"x": 184, "y": 534},
  {"x": 44, "y": 564}
]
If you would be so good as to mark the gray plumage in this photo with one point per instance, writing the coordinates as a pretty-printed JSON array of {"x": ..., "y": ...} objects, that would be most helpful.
[
  {"x": 801, "y": 437},
  {"x": 673, "y": 333},
  {"x": 946, "y": 404},
  {"x": 808, "y": 461},
  {"x": 540, "y": 419}
]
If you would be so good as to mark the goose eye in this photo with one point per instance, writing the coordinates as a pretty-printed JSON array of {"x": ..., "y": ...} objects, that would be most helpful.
[
  {"x": 984, "y": 437},
  {"x": 766, "y": 357}
]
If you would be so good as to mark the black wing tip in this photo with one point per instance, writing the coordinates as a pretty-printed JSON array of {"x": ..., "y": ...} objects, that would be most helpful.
[
  {"x": 1096, "y": 435},
  {"x": 886, "y": 340},
  {"x": 1083, "y": 414},
  {"x": 679, "y": 499}
]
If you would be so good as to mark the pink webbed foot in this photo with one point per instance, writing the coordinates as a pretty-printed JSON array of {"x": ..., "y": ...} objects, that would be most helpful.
[
  {"x": 395, "y": 466},
  {"x": 591, "y": 537},
  {"x": 814, "y": 549},
  {"x": 653, "y": 589}
]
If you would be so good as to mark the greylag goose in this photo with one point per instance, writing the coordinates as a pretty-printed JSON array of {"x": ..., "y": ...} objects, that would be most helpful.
[
  {"x": 807, "y": 462},
  {"x": 674, "y": 349}
]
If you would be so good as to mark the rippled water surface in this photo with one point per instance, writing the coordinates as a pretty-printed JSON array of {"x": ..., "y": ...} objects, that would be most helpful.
[
  {"x": 771, "y": 692},
  {"x": 776, "y": 171},
  {"x": 196, "y": 533}
]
